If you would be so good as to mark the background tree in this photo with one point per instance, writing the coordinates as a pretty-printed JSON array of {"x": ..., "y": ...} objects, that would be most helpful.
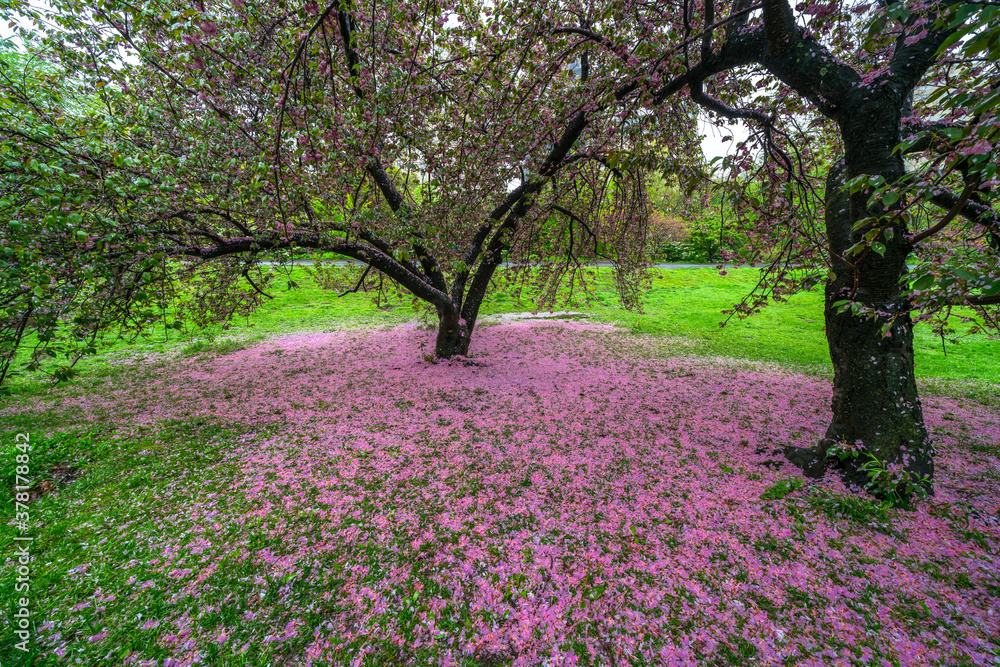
[{"x": 69, "y": 257}]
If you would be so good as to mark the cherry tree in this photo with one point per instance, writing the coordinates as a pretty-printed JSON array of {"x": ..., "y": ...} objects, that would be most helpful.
[
  {"x": 67, "y": 259},
  {"x": 893, "y": 106},
  {"x": 433, "y": 142},
  {"x": 430, "y": 144}
]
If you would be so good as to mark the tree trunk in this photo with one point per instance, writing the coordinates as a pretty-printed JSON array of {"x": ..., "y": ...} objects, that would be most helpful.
[
  {"x": 875, "y": 403},
  {"x": 453, "y": 334},
  {"x": 876, "y": 411}
]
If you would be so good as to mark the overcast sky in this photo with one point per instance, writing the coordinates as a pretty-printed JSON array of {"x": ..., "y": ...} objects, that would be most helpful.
[{"x": 712, "y": 145}]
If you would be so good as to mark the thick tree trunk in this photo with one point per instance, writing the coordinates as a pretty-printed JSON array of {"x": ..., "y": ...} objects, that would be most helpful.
[
  {"x": 453, "y": 334},
  {"x": 876, "y": 411},
  {"x": 875, "y": 403}
]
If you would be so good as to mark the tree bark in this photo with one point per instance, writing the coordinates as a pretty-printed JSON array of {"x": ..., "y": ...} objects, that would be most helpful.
[
  {"x": 876, "y": 410},
  {"x": 453, "y": 334},
  {"x": 875, "y": 402}
]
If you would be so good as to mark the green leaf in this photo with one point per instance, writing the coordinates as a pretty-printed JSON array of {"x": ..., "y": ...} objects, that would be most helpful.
[
  {"x": 988, "y": 103},
  {"x": 876, "y": 28},
  {"x": 978, "y": 44},
  {"x": 953, "y": 133},
  {"x": 951, "y": 39}
]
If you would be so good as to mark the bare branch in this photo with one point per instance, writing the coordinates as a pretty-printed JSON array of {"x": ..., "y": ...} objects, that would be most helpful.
[
  {"x": 246, "y": 274},
  {"x": 360, "y": 282},
  {"x": 914, "y": 239}
]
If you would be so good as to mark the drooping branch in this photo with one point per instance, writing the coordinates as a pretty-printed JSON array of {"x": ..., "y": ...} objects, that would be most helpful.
[
  {"x": 246, "y": 275},
  {"x": 359, "y": 284},
  {"x": 574, "y": 218},
  {"x": 970, "y": 210},
  {"x": 305, "y": 41},
  {"x": 955, "y": 210}
]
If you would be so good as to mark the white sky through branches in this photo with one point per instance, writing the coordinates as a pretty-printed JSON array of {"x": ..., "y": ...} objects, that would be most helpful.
[{"x": 712, "y": 145}]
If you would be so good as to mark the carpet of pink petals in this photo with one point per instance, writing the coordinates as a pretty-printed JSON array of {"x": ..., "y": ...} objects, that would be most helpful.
[{"x": 566, "y": 496}]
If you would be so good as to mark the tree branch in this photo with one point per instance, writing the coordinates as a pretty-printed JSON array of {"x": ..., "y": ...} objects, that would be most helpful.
[
  {"x": 575, "y": 218},
  {"x": 374, "y": 257},
  {"x": 972, "y": 211},
  {"x": 779, "y": 25},
  {"x": 589, "y": 34},
  {"x": 385, "y": 185},
  {"x": 983, "y": 300},
  {"x": 911, "y": 61},
  {"x": 246, "y": 274},
  {"x": 914, "y": 239},
  {"x": 346, "y": 22},
  {"x": 698, "y": 95},
  {"x": 360, "y": 282},
  {"x": 706, "y": 39}
]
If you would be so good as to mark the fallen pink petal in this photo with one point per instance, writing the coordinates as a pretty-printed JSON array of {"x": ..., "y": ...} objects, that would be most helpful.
[{"x": 566, "y": 496}]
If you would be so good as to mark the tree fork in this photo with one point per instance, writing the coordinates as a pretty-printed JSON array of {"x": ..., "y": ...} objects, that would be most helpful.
[{"x": 453, "y": 334}]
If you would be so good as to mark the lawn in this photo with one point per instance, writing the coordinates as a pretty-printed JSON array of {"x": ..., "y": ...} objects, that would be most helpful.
[
  {"x": 683, "y": 306},
  {"x": 306, "y": 488}
]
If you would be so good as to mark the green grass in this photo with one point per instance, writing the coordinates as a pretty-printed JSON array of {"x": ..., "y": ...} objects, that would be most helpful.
[
  {"x": 687, "y": 304},
  {"x": 133, "y": 487},
  {"x": 876, "y": 514},
  {"x": 683, "y": 304},
  {"x": 782, "y": 488},
  {"x": 683, "y": 307},
  {"x": 112, "y": 517}
]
